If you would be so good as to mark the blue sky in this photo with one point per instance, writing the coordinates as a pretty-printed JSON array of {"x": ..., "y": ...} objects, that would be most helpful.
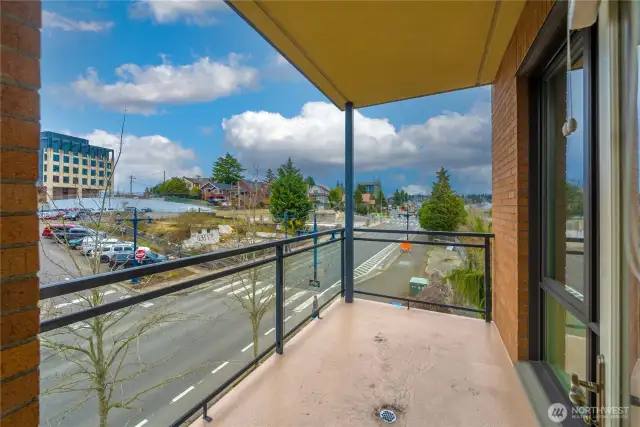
[{"x": 198, "y": 82}]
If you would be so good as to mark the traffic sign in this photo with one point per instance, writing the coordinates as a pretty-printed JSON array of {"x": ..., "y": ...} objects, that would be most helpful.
[{"x": 140, "y": 254}]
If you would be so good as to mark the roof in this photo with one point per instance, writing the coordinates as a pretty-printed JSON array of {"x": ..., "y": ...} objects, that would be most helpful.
[
  {"x": 219, "y": 185},
  {"x": 375, "y": 52},
  {"x": 197, "y": 181}
]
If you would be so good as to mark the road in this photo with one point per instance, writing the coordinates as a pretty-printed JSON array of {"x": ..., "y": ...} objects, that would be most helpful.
[{"x": 207, "y": 340}]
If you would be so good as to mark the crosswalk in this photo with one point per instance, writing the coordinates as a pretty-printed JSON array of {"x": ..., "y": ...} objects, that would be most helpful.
[{"x": 296, "y": 298}]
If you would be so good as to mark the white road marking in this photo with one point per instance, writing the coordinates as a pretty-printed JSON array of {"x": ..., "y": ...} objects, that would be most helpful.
[
  {"x": 181, "y": 395},
  {"x": 269, "y": 331},
  {"x": 141, "y": 423},
  {"x": 230, "y": 285},
  {"x": 294, "y": 297},
  {"x": 220, "y": 367},
  {"x": 146, "y": 304},
  {"x": 258, "y": 292},
  {"x": 247, "y": 347},
  {"x": 287, "y": 318},
  {"x": 79, "y": 300},
  {"x": 243, "y": 289}
]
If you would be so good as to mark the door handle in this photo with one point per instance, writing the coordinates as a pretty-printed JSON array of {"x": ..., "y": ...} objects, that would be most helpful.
[{"x": 578, "y": 394}]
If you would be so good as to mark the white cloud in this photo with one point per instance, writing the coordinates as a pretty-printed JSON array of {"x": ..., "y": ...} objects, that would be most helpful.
[
  {"x": 146, "y": 158},
  {"x": 413, "y": 189},
  {"x": 195, "y": 12},
  {"x": 278, "y": 68},
  {"x": 315, "y": 141},
  {"x": 142, "y": 89},
  {"x": 54, "y": 20}
]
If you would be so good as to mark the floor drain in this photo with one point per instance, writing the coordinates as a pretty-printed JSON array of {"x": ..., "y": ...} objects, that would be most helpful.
[{"x": 388, "y": 416}]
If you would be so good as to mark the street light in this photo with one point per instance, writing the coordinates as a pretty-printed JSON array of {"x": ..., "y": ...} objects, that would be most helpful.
[{"x": 135, "y": 220}]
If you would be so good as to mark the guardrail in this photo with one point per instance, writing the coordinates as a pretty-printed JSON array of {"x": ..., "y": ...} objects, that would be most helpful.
[
  {"x": 281, "y": 250},
  {"x": 486, "y": 246}
]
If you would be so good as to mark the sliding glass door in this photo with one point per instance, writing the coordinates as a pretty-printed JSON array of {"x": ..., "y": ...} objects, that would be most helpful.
[{"x": 567, "y": 213}]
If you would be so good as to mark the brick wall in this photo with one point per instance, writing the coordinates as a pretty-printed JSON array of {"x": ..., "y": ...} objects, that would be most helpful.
[
  {"x": 509, "y": 157},
  {"x": 19, "y": 142}
]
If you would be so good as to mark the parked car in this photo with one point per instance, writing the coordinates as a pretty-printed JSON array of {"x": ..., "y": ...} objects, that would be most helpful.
[
  {"x": 49, "y": 215},
  {"x": 129, "y": 260},
  {"x": 65, "y": 236},
  {"x": 145, "y": 210},
  {"x": 109, "y": 251},
  {"x": 74, "y": 216},
  {"x": 50, "y": 229},
  {"x": 88, "y": 244}
]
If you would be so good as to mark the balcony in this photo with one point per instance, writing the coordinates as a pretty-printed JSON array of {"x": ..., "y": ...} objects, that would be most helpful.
[
  {"x": 368, "y": 356},
  {"x": 188, "y": 354}
]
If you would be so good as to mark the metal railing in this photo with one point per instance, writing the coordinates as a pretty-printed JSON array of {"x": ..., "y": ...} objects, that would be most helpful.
[
  {"x": 91, "y": 282},
  {"x": 276, "y": 252},
  {"x": 486, "y": 246}
]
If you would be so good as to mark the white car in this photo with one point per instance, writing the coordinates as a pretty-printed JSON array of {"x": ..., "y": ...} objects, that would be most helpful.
[
  {"x": 89, "y": 244},
  {"x": 108, "y": 251}
]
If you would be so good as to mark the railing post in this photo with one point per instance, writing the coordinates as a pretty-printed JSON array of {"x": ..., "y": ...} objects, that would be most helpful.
[
  {"x": 487, "y": 280},
  {"x": 342, "y": 277},
  {"x": 279, "y": 299},
  {"x": 206, "y": 417}
]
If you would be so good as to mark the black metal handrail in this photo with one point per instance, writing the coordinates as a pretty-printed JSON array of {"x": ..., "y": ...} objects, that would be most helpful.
[
  {"x": 87, "y": 283},
  {"x": 486, "y": 246},
  {"x": 91, "y": 282}
]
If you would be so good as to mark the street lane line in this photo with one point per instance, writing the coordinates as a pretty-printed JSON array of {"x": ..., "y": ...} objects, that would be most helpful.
[
  {"x": 147, "y": 304},
  {"x": 247, "y": 347},
  {"x": 220, "y": 367},
  {"x": 181, "y": 395},
  {"x": 294, "y": 297},
  {"x": 108, "y": 293},
  {"x": 243, "y": 289},
  {"x": 269, "y": 331},
  {"x": 287, "y": 318},
  {"x": 230, "y": 285},
  {"x": 259, "y": 292},
  {"x": 141, "y": 423},
  {"x": 64, "y": 304}
]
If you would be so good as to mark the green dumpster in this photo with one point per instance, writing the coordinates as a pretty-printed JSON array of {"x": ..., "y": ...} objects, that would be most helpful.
[{"x": 417, "y": 284}]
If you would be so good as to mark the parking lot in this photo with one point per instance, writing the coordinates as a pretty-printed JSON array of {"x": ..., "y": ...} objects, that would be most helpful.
[{"x": 59, "y": 262}]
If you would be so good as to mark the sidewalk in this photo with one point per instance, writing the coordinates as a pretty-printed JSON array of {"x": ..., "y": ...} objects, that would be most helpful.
[
  {"x": 395, "y": 279},
  {"x": 421, "y": 261}
]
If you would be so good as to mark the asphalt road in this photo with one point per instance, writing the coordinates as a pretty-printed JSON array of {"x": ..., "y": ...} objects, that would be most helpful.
[{"x": 205, "y": 339}]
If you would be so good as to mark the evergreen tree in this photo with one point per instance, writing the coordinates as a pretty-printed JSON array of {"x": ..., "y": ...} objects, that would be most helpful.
[
  {"x": 444, "y": 210},
  {"x": 289, "y": 194},
  {"x": 310, "y": 181},
  {"x": 270, "y": 177},
  {"x": 227, "y": 170}
]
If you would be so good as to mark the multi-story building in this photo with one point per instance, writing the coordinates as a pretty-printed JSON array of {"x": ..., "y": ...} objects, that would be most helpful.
[
  {"x": 371, "y": 187},
  {"x": 70, "y": 167}
]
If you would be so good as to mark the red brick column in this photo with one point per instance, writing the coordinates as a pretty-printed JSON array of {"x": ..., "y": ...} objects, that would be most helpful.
[
  {"x": 510, "y": 184},
  {"x": 19, "y": 143}
]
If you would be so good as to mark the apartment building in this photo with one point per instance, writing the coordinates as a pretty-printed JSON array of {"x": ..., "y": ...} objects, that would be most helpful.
[{"x": 70, "y": 167}]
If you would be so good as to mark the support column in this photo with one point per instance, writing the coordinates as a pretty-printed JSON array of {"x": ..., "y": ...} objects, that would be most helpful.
[{"x": 348, "y": 197}]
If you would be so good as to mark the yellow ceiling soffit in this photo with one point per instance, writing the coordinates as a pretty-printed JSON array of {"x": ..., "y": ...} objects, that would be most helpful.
[{"x": 371, "y": 52}]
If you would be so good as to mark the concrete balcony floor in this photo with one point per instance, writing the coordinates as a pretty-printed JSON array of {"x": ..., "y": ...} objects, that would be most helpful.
[{"x": 433, "y": 369}]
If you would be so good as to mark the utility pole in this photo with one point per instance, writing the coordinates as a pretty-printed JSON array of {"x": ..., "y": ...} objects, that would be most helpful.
[
  {"x": 135, "y": 221},
  {"x": 406, "y": 215},
  {"x": 164, "y": 176},
  {"x": 131, "y": 184}
]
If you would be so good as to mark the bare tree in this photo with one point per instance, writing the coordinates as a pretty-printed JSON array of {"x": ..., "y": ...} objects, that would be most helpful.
[
  {"x": 103, "y": 354},
  {"x": 247, "y": 292}
]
